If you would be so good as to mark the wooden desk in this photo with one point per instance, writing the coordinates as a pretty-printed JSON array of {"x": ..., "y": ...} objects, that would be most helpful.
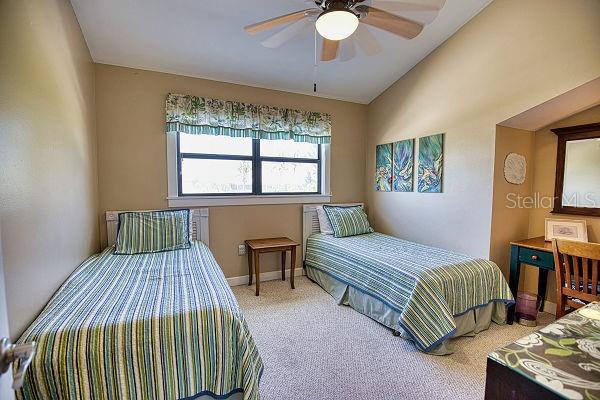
[
  {"x": 502, "y": 383},
  {"x": 558, "y": 362},
  {"x": 535, "y": 252},
  {"x": 269, "y": 245}
]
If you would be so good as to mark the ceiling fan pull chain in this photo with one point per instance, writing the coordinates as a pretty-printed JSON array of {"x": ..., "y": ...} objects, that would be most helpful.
[{"x": 315, "y": 65}]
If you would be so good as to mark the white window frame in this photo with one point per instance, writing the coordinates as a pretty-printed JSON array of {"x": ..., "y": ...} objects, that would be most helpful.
[{"x": 174, "y": 200}]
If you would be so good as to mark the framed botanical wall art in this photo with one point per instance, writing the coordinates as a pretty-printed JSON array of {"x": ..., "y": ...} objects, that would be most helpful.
[
  {"x": 383, "y": 168},
  {"x": 403, "y": 165},
  {"x": 431, "y": 163},
  {"x": 567, "y": 229}
]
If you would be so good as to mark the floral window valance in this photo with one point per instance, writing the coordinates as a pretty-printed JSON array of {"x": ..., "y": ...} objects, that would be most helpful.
[{"x": 203, "y": 116}]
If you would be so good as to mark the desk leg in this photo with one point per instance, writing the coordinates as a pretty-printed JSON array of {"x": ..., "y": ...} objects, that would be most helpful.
[
  {"x": 292, "y": 266},
  {"x": 542, "y": 281},
  {"x": 250, "y": 251},
  {"x": 283, "y": 254},
  {"x": 257, "y": 270},
  {"x": 513, "y": 281}
]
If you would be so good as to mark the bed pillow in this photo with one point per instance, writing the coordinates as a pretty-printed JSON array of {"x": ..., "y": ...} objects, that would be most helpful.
[
  {"x": 324, "y": 224},
  {"x": 348, "y": 221},
  {"x": 153, "y": 231}
]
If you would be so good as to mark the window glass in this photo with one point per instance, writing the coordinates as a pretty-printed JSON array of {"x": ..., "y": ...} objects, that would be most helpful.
[
  {"x": 224, "y": 165},
  {"x": 215, "y": 176},
  {"x": 208, "y": 144},
  {"x": 288, "y": 148},
  {"x": 290, "y": 177}
]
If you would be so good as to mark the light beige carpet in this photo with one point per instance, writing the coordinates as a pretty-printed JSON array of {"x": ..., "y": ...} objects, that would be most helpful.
[{"x": 314, "y": 349}]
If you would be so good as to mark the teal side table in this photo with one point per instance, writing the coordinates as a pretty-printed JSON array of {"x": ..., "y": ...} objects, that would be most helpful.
[{"x": 537, "y": 253}]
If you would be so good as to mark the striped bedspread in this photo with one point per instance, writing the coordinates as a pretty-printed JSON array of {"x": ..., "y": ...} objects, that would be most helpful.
[
  {"x": 148, "y": 326},
  {"x": 426, "y": 285}
]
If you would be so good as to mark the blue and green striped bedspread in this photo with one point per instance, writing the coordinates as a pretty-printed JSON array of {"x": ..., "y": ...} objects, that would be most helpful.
[
  {"x": 426, "y": 285},
  {"x": 146, "y": 326}
]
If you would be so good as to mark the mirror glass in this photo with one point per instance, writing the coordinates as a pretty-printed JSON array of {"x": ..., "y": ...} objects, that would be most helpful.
[{"x": 581, "y": 187}]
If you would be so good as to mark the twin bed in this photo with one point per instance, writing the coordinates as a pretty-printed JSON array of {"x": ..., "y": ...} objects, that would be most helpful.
[
  {"x": 162, "y": 325},
  {"x": 427, "y": 295},
  {"x": 165, "y": 325}
]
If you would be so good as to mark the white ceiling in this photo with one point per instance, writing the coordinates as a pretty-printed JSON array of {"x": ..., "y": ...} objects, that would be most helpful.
[{"x": 204, "y": 38}]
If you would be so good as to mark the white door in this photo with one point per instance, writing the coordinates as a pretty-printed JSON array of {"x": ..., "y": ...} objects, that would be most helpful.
[{"x": 6, "y": 391}]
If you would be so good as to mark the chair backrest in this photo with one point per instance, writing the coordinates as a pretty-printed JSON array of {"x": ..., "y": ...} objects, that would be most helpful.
[{"x": 577, "y": 268}]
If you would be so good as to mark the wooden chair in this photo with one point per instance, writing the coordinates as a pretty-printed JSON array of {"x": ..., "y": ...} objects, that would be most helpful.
[{"x": 577, "y": 269}]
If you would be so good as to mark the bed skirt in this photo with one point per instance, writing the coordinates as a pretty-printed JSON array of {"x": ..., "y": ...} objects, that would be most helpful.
[{"x": 467, "y": 324}]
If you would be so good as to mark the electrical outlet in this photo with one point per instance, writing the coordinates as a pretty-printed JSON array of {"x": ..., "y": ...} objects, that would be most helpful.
[{"x": 241, "y": 249}]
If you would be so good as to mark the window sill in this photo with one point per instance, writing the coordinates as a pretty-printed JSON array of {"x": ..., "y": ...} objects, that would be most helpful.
[{"x": 207, "y": 201}]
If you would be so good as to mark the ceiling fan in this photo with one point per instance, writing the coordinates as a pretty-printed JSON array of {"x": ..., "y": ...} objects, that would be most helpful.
[{"x": 336, "y": 20}]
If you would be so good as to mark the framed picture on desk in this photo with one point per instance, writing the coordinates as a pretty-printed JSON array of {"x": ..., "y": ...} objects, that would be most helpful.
[{"x": 567, "y": 229}]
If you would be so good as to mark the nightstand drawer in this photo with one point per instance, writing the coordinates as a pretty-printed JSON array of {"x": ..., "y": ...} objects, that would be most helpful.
[{"x": 538, "y": 258}]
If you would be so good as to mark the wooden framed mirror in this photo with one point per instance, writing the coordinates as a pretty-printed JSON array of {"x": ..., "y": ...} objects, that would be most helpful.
[{"x": 577, "y": 187}]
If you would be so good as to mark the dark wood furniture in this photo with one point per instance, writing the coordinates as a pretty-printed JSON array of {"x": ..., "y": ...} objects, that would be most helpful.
[
  {"x": 579, "y": 132},
  {"x": 535, "y": 252},
  {"x": 502, "y": 383},
  {"x": 556, "y": 362},
  {"x": 258, "y": 246},
  {"x": 577, "y": 267}
]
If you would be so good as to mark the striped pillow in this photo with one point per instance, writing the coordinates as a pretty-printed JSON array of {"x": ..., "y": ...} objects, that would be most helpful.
[
  {"x": 153, "y": 231},
  {"x": 324, "y": 224},
  {"x": 348, "y": 221}
]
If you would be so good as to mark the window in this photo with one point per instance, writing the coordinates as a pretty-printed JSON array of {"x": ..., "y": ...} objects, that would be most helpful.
[{"x": 228, "y": 166}]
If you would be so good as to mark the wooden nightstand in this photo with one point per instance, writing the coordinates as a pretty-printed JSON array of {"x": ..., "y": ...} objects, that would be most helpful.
[{"x": 269, "y": 245}]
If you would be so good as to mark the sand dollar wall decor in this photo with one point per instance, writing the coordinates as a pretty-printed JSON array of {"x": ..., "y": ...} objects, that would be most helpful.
[{"x": 515, "y": 168}]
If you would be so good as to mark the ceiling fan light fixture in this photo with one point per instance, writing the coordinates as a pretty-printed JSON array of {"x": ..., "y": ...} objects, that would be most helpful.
[{"x": 337, "y": 24}]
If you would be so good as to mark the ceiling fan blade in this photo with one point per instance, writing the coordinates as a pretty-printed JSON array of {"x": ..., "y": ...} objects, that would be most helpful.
[
  {"x": 277, "y": 21},
  {"x": 408, "y": 5},
  {"x": 286, "y": 34},
  {"x": 389, "y": 22},
  {"x": 329, "y": 49},
  {"x": 313, "y": 14},
  {"x": 419, "y": 12},
  {"x": 347, "y": 49},
  {"x": 366, "y": 41}
]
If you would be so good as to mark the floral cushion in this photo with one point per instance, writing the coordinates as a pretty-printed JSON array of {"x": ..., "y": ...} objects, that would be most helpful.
[{"x": 581, "y": 286}]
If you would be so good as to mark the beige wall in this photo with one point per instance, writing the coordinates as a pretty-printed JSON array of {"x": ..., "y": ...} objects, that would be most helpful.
[
  {"x": 504, "y": 61},
  {"x": 543, "y": 185},
  {"x": 132, "y": 154},
  {"x": 48, "y": 181},
  {"x": 509, "y": 223}
]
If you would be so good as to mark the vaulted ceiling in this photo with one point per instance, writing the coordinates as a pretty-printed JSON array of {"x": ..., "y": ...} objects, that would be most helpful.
[{"x": 205, "y": 38}]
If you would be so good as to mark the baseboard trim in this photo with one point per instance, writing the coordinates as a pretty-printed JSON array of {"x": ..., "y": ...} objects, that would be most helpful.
[
  {"x": 549, "y": 307},
  {"x": 264, "y": 276}
]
